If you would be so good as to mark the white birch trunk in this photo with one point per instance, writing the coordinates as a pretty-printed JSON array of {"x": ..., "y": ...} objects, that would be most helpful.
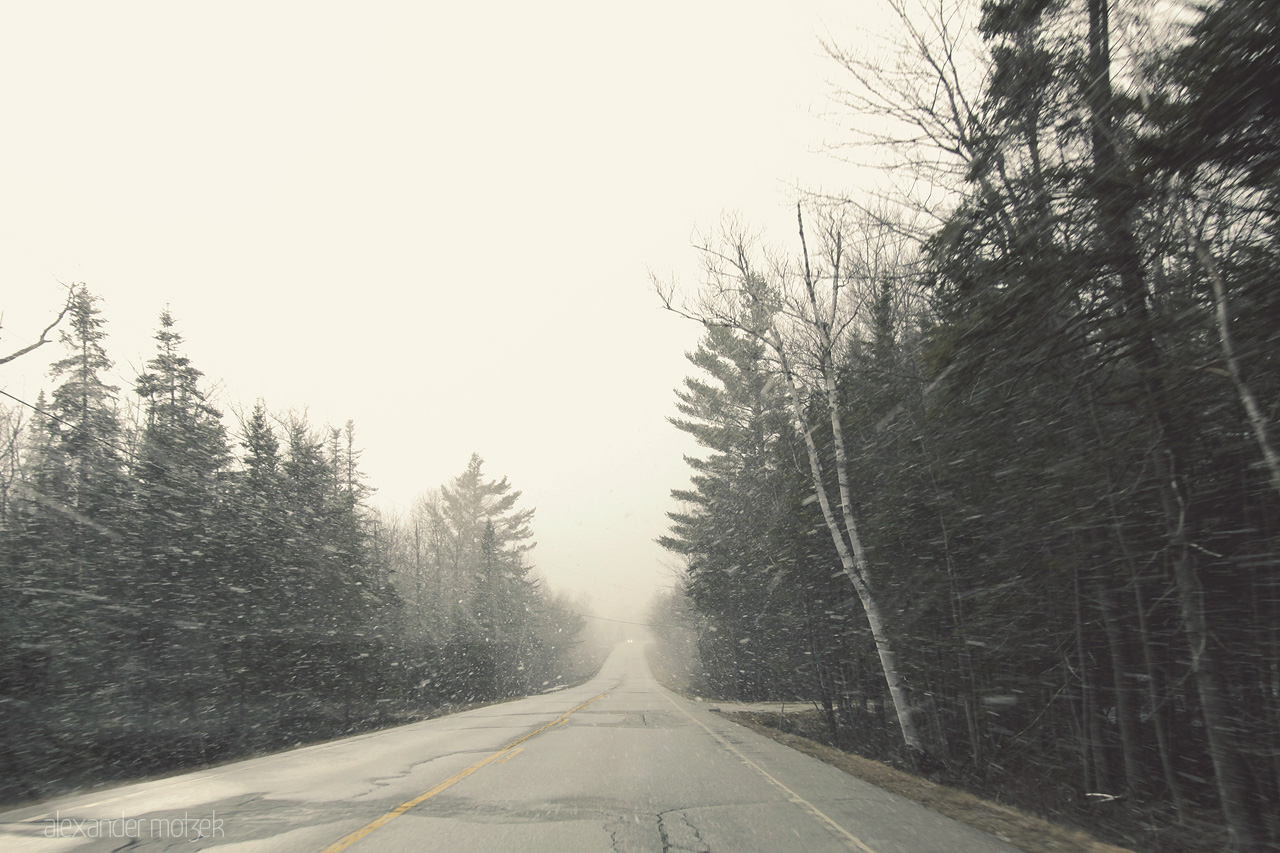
[
  {"x": 1257, "y": 420},
  {"x": 739, "y": 308},
  {"x": 852, "y": 559}
]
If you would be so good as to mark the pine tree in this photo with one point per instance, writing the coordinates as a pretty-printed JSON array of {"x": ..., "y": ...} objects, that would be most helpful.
[
  {"x": 66, "y": 591},
  {"x": 1070, "y": 335},
  {"x": 487, "y": 538},
  {"x": 181, "y": 540},
  {"x": 87, "y": 423},
  {"x": 725, "y": 529},
  {"x": 260, "y": 599},
  {"x": 775, "y": 617}
]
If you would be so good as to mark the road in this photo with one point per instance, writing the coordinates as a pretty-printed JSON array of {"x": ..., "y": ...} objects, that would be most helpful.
[{"x": 617, "y": 763}]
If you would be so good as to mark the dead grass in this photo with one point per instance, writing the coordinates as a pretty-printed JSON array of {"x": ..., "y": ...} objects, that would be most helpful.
[{"x": 1027, "y": 832}]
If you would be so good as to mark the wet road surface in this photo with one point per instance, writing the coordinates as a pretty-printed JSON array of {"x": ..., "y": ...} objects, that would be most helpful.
[{"x": 617, "y": 763}]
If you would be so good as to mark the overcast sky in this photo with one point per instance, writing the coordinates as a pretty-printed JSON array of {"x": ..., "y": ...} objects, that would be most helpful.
[{"x": 436, "y": 219}]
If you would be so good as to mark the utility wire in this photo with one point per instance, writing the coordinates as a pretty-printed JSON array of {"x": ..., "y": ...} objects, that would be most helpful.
[
  {"x": 625, "y": 622},
  {"x": 51, "y": 416}
]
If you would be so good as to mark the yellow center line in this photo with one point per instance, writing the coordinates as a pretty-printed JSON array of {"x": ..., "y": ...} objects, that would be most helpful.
[
  {"x": 348, "y": 840},
  {"x": 850, "y": 840}
]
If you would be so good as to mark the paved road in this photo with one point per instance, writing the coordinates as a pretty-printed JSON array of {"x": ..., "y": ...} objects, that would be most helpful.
[{"x": 616, "y": 764}]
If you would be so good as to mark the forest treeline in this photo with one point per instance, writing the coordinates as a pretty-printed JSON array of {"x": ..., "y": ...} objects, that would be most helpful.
[
  {"x": 993, "y": 479},
  {"x": 176, "y": 592}
]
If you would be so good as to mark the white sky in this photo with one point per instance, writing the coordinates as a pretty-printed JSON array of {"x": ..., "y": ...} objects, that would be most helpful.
[{"x": 436, "y": 219}]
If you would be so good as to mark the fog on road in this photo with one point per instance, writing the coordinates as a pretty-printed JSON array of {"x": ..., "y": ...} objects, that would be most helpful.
[{"x": 618, "y": 763}]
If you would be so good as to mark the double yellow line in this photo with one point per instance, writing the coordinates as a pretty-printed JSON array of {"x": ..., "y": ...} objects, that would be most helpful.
[{"x": 348, "y": 840}]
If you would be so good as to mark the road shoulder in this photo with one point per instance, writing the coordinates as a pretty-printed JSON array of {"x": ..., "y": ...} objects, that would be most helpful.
[{"x": 1024, "y": 831}]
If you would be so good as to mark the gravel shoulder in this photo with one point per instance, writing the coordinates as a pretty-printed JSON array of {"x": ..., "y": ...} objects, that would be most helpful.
[{"x": 1025, "y": 831}]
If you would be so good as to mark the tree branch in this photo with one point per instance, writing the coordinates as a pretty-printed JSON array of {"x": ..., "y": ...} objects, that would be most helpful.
[{"x": 44, "y": 335}]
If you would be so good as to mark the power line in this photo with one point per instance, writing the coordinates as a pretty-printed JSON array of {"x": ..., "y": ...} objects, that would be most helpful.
[
  {"x": 625, "y": 622},
  {"x": 51, "y": 416}
]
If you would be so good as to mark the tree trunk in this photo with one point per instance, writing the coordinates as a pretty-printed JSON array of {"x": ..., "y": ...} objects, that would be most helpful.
[
  {"x": 1093, "y": 775},
  {"x": 1125, "y": 704},
  {"x": 1153, "y": 672},
  {"x": 1116, "y": 203},
  {"x": 1156, "y": 698},
  {"x": 1257, "y": 420},
  {"x": 847, "y": 541},
  {"x": 855, "y": 569}
]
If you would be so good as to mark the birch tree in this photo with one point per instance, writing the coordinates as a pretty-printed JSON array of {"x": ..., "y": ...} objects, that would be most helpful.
[{"x": 803, "y": 312}]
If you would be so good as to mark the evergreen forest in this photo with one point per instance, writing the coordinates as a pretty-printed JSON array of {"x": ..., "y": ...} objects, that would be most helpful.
[
  {"x": 178, "y": 591},
  {"x": 990, "y": 467}
]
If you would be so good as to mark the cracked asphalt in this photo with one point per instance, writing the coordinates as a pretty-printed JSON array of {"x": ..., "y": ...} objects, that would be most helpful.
[{"x": 616, "y": 764}]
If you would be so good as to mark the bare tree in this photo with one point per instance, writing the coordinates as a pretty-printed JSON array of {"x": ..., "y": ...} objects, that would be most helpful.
[
  {"x": 912, "y": 98},
  {"x": 805, "y": 313},
  {"x": 44, "y": 334},
  {"x": 12, "y": 427}
]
